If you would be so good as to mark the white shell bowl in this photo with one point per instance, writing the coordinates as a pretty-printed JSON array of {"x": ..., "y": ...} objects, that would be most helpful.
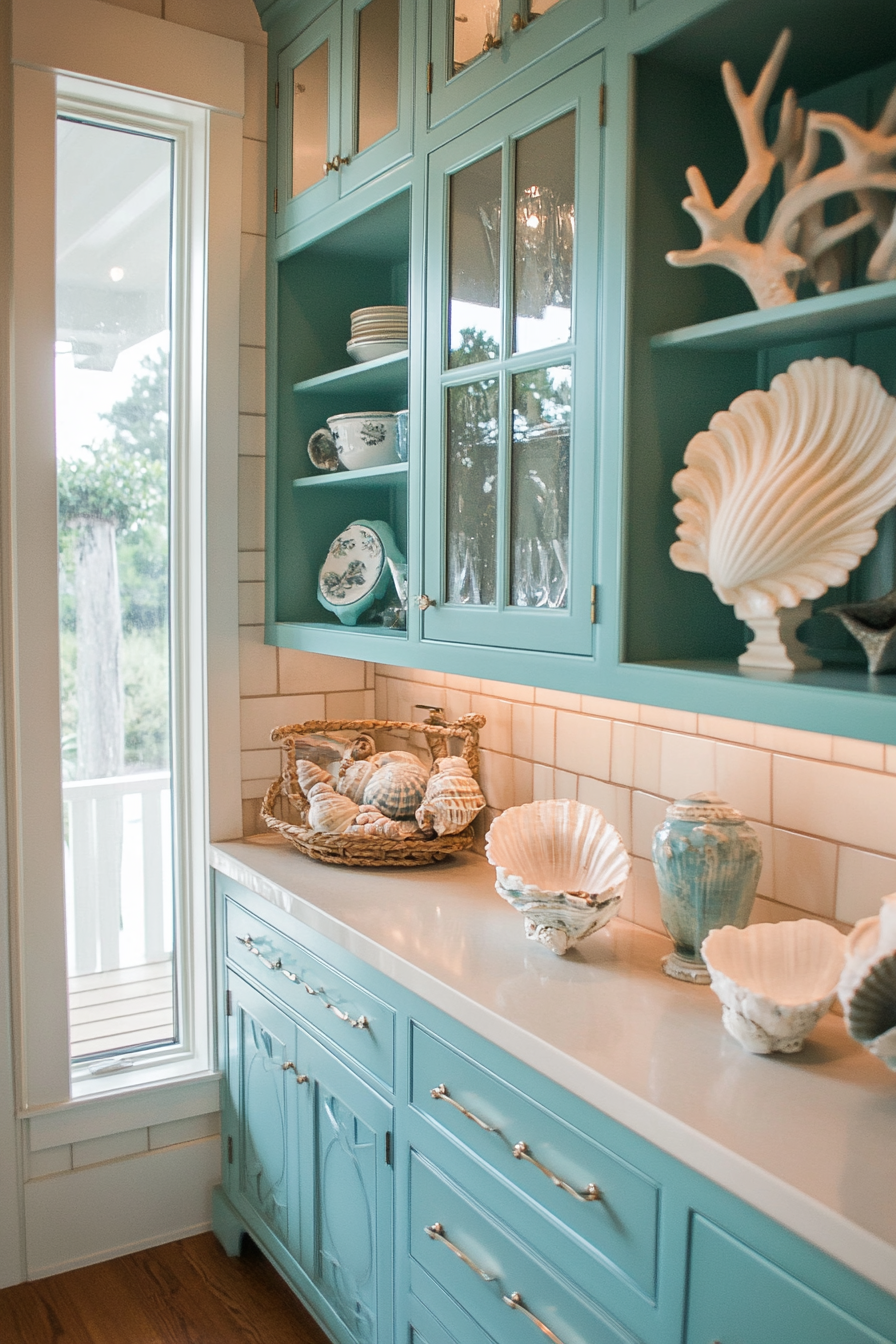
[
  {"x": 562, "y": 865},
  {"x": 867, "y": 987},
  {"x": 775, "y": 981},
  {"x": 365, "y": 438}
]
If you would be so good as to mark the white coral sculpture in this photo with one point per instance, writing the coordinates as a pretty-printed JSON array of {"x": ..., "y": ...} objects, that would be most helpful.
[
  {"x": 797, "y": 239},
  {"x": 780, "y": 496}
]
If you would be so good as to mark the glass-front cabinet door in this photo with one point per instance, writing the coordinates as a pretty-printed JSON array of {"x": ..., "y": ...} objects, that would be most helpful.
[
  {"x": 344, "y": 104},
  {"x": 511, "y": 375}
]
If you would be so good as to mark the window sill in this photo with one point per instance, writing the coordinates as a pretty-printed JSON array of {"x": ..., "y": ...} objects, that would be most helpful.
[{"x": 112, "y": 1105}]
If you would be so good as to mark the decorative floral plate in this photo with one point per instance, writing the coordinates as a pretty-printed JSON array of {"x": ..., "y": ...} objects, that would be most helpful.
[{"x": 356, "y": 571}]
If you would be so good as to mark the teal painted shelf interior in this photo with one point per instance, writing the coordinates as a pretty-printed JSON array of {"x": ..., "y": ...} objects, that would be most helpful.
[
  {"x": 370, "y": 476},
  {"x": 376, "y": 375}
]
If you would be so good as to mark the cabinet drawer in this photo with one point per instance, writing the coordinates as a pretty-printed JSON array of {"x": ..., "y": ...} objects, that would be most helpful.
[
  {"x": 737, "y": 1297},
  {"x": 354, "y": 1020},
  {"x": 498, "y": 1122},
  {"x": 497, "y": 1279}
]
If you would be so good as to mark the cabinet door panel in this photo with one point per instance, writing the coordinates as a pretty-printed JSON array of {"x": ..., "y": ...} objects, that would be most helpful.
[
  {"x": 308, "y": 124},
  {"x": 511, "y": 374},
  {"x": 377, "y": 88}
]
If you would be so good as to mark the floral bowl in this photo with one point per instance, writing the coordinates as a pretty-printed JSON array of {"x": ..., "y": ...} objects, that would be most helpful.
[{"x": 365, "y": 438}]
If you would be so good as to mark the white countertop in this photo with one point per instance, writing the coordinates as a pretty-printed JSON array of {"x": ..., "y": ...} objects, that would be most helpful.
[{"x": 809, "y": 1139}]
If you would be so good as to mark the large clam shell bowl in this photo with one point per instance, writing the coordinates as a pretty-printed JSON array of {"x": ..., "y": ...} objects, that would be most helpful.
[
  {"x": 775, "y": 981},
  {"x": 562, "y": 865}
]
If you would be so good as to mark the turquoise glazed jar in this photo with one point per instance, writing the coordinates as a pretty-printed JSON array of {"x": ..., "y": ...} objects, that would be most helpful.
[{"x": 707, "y": 861}]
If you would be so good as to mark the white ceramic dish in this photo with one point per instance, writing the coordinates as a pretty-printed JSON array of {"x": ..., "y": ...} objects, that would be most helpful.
[
  {"x": 365, "y": 438},
  {"x": 775, "y": 981},
  {"x": 362, "y": 351}
]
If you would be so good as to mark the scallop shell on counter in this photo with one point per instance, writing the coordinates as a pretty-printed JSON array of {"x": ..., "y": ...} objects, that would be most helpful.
[
  {"x": 562, "y": 865},
  {"x": 774, "y": 981},
  {"x": 780, "y": 496},
  {"x": 452, "y": 799},
  {"x": 867, "y": 987},
  {"x": 397, "y": 787}
]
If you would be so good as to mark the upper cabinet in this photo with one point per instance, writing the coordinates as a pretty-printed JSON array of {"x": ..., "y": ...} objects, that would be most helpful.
[{"x": 344, "y": 96}]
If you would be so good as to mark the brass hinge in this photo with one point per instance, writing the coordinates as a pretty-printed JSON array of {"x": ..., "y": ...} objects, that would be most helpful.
[
  {"x": 228, "y": 1003},
  {"x": 594, "y": 604},
  {"x": 276, "y": 200},
  {"x": 277, "y": 94},
  {"x": 602, "y": 106},
  {"x": 388, "y": 1147},
  {"x": 230, "y": 1150},
  {"x": 429, "y": 78}
]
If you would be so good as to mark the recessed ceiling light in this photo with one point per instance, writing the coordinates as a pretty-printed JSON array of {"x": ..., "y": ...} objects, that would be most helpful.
[{"x": 116, "y": 274}]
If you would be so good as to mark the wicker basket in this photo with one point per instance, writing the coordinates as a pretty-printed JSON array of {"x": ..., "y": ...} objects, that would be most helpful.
[{"x": 367, "y": 851}]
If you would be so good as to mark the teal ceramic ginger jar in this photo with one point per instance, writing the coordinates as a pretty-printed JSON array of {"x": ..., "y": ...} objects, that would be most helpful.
[{"x": 707, "y": 860}]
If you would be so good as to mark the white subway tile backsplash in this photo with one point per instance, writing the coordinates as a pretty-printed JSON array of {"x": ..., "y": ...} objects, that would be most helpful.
[
  {"x": 258, "y": 716},
  {"x": 648, "y": 749},
  {"x": 522, "y": 781},
  {"x": 349, "y": 704},
  {"x": 251, "y": 566},
  {"x": 610, "y": 709},
  {"x": 744, "y": 779},
  {"x": 252, "y": 290},
  {"x": 542, "y": 782},
  {"x": 254, "y": 192},
  {"x": 613, "y": 802},
  {"x": 558, "y": 699},
  {"x": 251, "y": 604},
  {"x": 456, "y": 703},
  {"x": 506, "y": 690},
  {"x": 521, "y": 741},
  {"x": 251, "y": 436},
  {"x": 258, "y": 661},
  {"x": 794, "y": 741},
  {"x": 260, "y": 764},
  {"x": 497, "y": 734},
  {"x": 251, "y": 390},
  {"x": 850, "y": 751},
  {"x": 766, "y": 884},
  {"x": 647, "y": 813},
  {"x": 646, "y": 896},
  {"x": 863, "y": 880},
  {"x": 805, "y": 872},
  {"x": 250, "y": 508},
  {"x": 729, "y": 730},
  {"x": 890, "y": 759},
  {"x": 676, "y": 720},
  {"x": 835, "y": 801},
  {"x": 687, "y": 765},
  {"x": 459, "y": 683},
  {"x": 622, "y": 753},
  {"x": 583, "y": 744},
  {"x": 302, "y": 673},
  {"x": 566, "y": 784},
  {"x": 543, "y": 726},
  {"x": 496, "y": 779}
]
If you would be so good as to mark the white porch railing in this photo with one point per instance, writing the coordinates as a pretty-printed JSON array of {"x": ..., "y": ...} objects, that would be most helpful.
[{"x": 118, "y": 871}]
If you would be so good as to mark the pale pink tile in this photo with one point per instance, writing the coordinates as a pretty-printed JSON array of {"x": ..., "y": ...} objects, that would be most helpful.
[
  {"x": 627, "y": 907},
  {"x": 459, "y": 683},
  {"x": 369, "y": 704},
  {"x": 346, "y": 704},
  {"x": 496, "y": 779},
  {"x": 521, "y": 731},
  {"x": 610, "y": 709},
  {"x": 251, "y": 436},
  {"x": 687, "y": 765},
  {"x": 729, "y": 730},
  {"x": 522, "y": 782},
  {"x": 256, "y": 788},
  {"x": 251, "y": 380},
  {"x": 258, "y": 663},
  {"x": 558, "y": 699},
  {"x": 890, "y": 759},
  {"x": 773, "y": 912},
  {"x": 566, "y": 784},
  {"x": 258, "y": 716},
  {"x": 837, "y": 802},
  {"x": 794, "y": 741},
  {"x": 805, "y": 872},
  {"x": 622, "y": 754},
  {"x": 542, "y": 782},
  {"x": 766, "y": 884},
  {"x": 399, "y": 701},
  {"x": 457, "y": 703},
  {"x": 613, "y": 802},
  {"x": 260, "y": 765},
  {"x": 583, "y": 744},
  {"x": 543, "y": 735},
  {"x": 250, "y": 597},
  {"x": 744, "y": 779},
  {"x": 302, "y": 673},
  {"x": 250, "y": 505},
  {"x": 497, "y": 734},
  {"x": 648, "y": 749},
  {"x": 647, "y": 813},
  {"x": 647, "y": 896},
  {"x": 852, "y": 751},
  {"x": 369, "y": 676},
  {"x": 677, "y": 720},
  {"x": 507, "y": 690},
  {"x": 399, "y": 673},
  {"x": 863, "y": 880},
  {"x": 382, "y": 697}
]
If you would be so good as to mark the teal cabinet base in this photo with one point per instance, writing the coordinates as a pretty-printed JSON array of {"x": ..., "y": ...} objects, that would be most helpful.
[{"x": 226, "y": 1224}]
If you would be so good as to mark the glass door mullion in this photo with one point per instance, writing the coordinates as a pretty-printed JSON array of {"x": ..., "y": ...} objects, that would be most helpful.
[{"x": 502, "y": 539}]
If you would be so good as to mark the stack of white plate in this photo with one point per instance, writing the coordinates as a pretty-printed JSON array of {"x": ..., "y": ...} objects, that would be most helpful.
[{"x": 378, "y": 331}]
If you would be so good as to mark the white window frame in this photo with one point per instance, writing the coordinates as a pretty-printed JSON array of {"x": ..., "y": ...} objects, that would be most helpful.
[{"x": 93, "y": 56}]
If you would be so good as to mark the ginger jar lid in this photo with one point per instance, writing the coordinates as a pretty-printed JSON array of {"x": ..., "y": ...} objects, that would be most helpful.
[{"x": 703, "y": 807}]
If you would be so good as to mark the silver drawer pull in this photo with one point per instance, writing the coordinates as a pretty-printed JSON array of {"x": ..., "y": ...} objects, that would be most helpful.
[
  {"x": 437, "y": 1233},
  {"x": 440, "y": 1093},
  {"x": 361, "y": 1021},
  {"x": 300, "y": 1077},
  {"x": 247, "y": 942},
  {"x": 590, "y": 1193},
  {"x": 515, "y": 1302}
]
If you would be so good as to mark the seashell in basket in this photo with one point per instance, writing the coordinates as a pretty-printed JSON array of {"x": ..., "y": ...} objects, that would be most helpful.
[
  {"x": 371, "y": 821},
  {"x": 328, "y": 811},
  {"x": 397, "y": 787},
  {"x": 452, "y": 799},
  {"x": 867, "y": 987},
  {"x": 396, "y": 757},
  {"x": 360, "y": 748},
  {"x": 775, "y": 981},
  {"x": 780, "y": 496},
  {"x": 562, "y": 865},
  {"x": 353, "y": 778}
]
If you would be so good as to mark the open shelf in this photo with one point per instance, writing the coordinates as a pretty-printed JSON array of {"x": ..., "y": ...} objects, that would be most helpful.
[
  {"x": 371, "y": 477},
  {"x": 860, "y": 309},
  {"x": 389, "y": 374},
  {"x": 378, "y": 631}
]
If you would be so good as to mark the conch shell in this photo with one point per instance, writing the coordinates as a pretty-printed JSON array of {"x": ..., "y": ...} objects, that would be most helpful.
[
  {"x": 371, "y": 821},
  {"x": 328, "y": 811},
  {"x": 397, "y": 786},
  {"x": 780, "y": 496},
  {"x": 452, "y": 798}
]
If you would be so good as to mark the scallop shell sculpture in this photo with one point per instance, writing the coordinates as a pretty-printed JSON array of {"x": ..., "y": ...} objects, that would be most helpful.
[
  {"x": 562, "y": 865},
  {"x": 867, "y": 986},
  {"x": 452, "y": 800},
  {"x": 775, "y": 981},
  {"x": 397, "y": 787},
  {"x": 780, "y": 496}
]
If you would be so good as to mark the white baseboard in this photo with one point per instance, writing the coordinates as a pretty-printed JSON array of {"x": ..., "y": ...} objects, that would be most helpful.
[{"x": 98, "y": 1213}]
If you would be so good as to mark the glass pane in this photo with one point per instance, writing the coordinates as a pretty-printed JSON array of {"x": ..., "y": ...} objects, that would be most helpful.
[
  {"x": 377, "y": 71},
  {"x": 539, "y": 7},
  {"x": 472, "y": 489},
  {"x": 544, "y": 227},
  {"x": 474, "y": 22},
  {"x": 310, "y": 114},
  {"x": 474, "y": 263},
  {"x": 539, "y": 487},
  {"x": 113, "y": 273}
]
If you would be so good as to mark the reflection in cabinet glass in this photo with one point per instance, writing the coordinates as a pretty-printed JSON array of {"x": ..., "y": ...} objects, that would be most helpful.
[
  {"x": 309, "y": 119},
  {"x": 377, "y": 113}
]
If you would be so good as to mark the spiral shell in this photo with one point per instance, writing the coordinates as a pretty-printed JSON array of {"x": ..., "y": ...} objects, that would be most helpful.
[
  {"x": 397, "y": 787},
  {"x": 867, "y": 987},
  {"x": 452, "y": 798},
  {"x": 780, "y": 496},
  {"x": 371, "y": 821},
  {"x": 328, "y": 811}
]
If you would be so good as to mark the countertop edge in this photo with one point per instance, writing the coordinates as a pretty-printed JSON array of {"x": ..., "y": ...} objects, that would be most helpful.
[{"x": 830, "y": 1231}]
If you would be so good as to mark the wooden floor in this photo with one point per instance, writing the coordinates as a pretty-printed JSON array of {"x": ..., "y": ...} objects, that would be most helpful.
[
  {"x": 187, "y": 1292},
  {"x": 119, "y": 1010}
]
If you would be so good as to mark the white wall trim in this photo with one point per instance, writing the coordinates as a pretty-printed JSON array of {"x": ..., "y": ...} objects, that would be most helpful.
[{"x": 75, "y": 1121}]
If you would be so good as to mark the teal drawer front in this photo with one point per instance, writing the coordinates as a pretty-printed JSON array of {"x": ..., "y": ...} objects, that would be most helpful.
[
  {"x": 737, "y": 1297},
  {"x": 502, "y": 1284},
  {"x": 620, "y": 1225},
  {"x": 354, "y": 1020}
]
